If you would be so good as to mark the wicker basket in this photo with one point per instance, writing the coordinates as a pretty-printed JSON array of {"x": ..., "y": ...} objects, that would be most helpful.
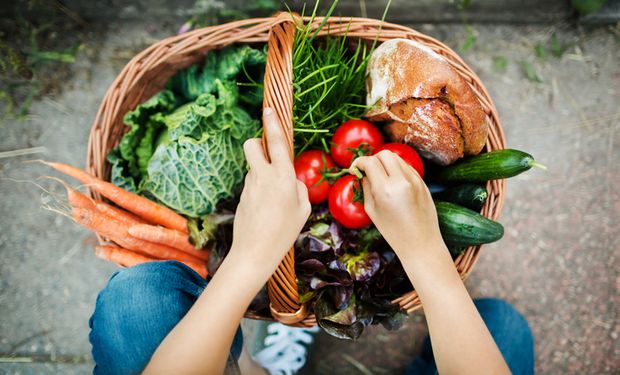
[{"x": 148, "y": 72}]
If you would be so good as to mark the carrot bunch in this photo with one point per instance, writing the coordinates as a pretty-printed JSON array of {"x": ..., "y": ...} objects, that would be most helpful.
[{"x": 143, "y": 230}]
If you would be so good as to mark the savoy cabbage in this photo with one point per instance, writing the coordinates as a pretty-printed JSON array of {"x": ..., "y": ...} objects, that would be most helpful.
[{"x": 184, "y": 146}]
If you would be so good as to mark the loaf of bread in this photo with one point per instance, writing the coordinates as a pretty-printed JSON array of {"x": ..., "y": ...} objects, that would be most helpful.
[{"x": 424, "y": 101}]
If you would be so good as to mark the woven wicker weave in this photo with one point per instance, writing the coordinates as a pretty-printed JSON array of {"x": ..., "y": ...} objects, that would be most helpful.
[{"x": 148, "y": 72}]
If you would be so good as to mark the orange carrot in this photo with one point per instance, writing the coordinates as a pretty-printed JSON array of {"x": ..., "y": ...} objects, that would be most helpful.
[
  {"x": 165, "y": 236},
  {"x": 77, "y": 199},
  {"x": 199, "y": 267},
  {"x": 120, "y": 256},
  {"x": 117, "y": 231},
  {"x": 118, "y": 214},
  {"x": 140, "y": 206},
  {"x": 128, "y": 258}
]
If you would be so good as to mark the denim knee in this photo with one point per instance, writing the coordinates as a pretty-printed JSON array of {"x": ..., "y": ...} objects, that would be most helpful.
[
  {"x": 136, "y": 310},
  {"x": 511, "y": 333}
]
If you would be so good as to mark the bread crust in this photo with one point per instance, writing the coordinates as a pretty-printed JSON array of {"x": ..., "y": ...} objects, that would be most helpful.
[{"x": 428, "y": 104}]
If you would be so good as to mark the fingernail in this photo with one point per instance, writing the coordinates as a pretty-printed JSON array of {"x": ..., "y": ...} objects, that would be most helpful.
[{"x": 267, "y": 111}]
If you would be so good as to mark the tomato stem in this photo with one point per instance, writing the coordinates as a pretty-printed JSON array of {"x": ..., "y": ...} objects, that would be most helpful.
[
  {"x": 358, "y": 192},
  {"x": 356, "y": 172},
  {"x": 329, "y": 174},
  {"x": 362, "y": 150}
]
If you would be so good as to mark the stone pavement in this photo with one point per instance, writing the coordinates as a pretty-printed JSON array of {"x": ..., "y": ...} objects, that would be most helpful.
[{"x": 558, "y": 262}]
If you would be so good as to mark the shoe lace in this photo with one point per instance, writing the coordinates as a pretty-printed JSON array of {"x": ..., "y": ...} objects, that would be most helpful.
[{"x": 285, "y": 352}]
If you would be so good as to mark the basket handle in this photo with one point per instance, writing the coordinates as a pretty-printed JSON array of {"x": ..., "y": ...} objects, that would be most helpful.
[
  {"x": 278, "y": 82},
  {"x": 278, "y": 94}
]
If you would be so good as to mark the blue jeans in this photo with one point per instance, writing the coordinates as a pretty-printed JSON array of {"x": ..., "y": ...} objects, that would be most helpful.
[
  {"x": 510, "y": 331},
  {"x": 141, "y": 304},
  {"x": 137, "y": 309}
]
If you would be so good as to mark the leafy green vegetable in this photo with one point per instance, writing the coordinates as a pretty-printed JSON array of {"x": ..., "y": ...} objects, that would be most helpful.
[
  {"x": 359, "y": 310},
  {"x": 188, "y": 119},
  {"x": 361, "y": 266},
  {"x": 140, "y": 120},
  {"x": 204, "y": 230},
  {"x": 118, "y": 174},
  {"x": 191, "y": 175},
  {"x": 349, "y": 276},
  {"x": 185, "y": 175},
  {"x": 340, "y": 323},
  {"x": 184, "y": 145},
  {"x": 233, "y": 64}
]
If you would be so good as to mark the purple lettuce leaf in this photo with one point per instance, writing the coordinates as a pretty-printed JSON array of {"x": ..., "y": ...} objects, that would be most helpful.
[
  {"x": 340, "y": 323},
  {"x": 362, "y": 266},
  {"x": 310, "y": 266},
  {"x": 340, "y": 295}
]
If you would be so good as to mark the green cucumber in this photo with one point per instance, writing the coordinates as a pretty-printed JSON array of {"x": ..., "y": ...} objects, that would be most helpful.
[
  {"x": 461, "y": 226},
  {"x": 467, "y": 195},
  {"x": 492, "y": 165}
]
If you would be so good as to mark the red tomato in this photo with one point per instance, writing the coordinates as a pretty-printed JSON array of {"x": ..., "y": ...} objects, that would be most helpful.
[
  {"x": 348, "y": 213},
  {"x": 407, "y": 153},
  {"x": 308, "y": 168},
  {"x": 351, "y": 135}
]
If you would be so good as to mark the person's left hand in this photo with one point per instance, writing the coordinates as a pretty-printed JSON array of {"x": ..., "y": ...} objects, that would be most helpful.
[{"x": 274, "y": 205}]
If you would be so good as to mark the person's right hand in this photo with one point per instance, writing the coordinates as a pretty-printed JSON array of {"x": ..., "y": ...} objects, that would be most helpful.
[{"x": 399, "y": 204}]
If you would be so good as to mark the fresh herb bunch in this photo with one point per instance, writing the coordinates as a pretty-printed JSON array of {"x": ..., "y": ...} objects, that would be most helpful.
[{"x": 328, "y": 83}]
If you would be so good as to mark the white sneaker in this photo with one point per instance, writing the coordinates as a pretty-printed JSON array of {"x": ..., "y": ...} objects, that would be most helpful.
[{"x": 285, "y": 349}]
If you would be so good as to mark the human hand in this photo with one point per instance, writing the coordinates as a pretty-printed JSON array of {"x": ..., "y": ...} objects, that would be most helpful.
[
  {"x": 401, "y": 207},
  {"x": 399, "y": 204},
  {"x": 274, "y": 205}
]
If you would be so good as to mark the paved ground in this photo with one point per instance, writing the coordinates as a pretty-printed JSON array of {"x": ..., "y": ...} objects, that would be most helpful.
[{"x": 558, "y": 262}]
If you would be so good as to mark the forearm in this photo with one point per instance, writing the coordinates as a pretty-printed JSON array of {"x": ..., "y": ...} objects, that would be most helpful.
[
  {"x": 200, "y": 343},
  {"x": 461, "y": 341},
  {"x": 273, "y": 207}
]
